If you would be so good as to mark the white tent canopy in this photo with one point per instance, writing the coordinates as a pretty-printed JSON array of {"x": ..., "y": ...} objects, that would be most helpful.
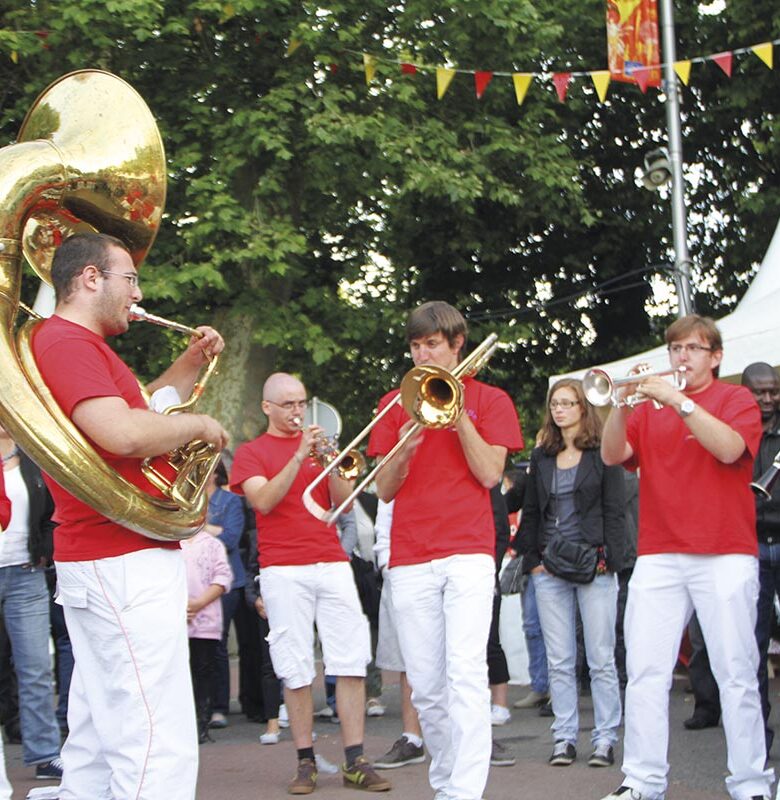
[{"x": 750, "y": 333}]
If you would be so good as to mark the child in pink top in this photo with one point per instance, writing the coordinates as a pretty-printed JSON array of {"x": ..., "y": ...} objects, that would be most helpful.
[{"x": 208, "y": 577}]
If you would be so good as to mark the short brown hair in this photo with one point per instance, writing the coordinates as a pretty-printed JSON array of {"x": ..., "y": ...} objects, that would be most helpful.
[
  {"x": 694, "y": 324},
  {"x": 550, "y": 438},
  {"x": 77, "y": 252},
  {"x": 436, "y": 316}
]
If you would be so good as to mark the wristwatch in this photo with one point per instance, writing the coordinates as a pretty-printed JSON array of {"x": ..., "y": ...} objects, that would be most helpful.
[{"x": 686, "y": 407}]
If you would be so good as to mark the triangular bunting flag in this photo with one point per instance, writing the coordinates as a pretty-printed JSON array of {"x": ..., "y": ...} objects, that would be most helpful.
[
  {"x": 444, "y": 78},
  {"x": 723, "y": 60},
  {"x": 601, "y": 82},
  {"x": 408, "y": 69},
  {"x": 293, "y": 46},
  {"x": 561, "y": 81},
  {"x": 642, "y": 77},
  {"x": 521, "y": 80},
  {"x": 369, "y": 65},
  {"x": 764, "y": 52},
  {"x": 683, "y": 70},
  {"x": 481, "y": 81}
]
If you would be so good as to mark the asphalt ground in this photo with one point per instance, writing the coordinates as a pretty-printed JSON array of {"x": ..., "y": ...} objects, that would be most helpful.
[{"x": 237, "y": 767}]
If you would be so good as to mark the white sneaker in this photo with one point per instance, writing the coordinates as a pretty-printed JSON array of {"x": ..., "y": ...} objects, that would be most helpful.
[
  {"x": 499, "y": 715},
  {"x": 284, "y": 720},
  {"x": 625, "y": 793},
  {"x": 374, "y": 707},
  {"x": 269, "y": 738},
  {"x": 325, "y": 713}
]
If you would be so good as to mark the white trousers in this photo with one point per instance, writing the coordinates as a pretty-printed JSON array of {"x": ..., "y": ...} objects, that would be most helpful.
[
  {"x": 131, "y": 712},
  {"x": 443, "y": 610},
  {"x": 5, "y": 784},
  {"x": 664, "y": 590}
]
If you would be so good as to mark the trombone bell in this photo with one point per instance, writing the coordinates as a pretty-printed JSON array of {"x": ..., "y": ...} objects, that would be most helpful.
[{"x": 431, "y": 396}]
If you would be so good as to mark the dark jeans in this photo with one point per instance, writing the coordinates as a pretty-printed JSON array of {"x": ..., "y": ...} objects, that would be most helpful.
[
  {"x": 230, "y": 601},
  {"x": 498, "y": 671},
  {"x": 624, "y": 576},
  {"x": 705, "y": 688},
  {"x": 63, "y": 662},
  {"x": 769, "y": 585},
  {"x": 202, "y": 668},
  {"x": 270, "y": 684}
]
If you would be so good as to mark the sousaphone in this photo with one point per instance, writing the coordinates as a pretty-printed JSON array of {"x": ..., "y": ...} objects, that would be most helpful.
[{"x": 89, "y": 157}]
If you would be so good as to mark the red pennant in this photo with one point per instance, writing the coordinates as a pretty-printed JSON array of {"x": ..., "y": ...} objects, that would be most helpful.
[
  {"x": 561, "y": 81},
  {"x": 481, "y": 81},
  {"x": 723, "y": 60},
  {"x": 334, "y": 69},
  {"x": 642, "y": 77},
  {"x": 408, "y": 69}
]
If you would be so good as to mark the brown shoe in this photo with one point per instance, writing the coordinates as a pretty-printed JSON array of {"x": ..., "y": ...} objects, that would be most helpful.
[
  {"x": 305, "y": 778},
  {"x": 361, "y": 775}
]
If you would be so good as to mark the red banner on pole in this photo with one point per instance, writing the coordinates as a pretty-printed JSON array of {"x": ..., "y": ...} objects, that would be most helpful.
[{"x": 632, "y": 41}]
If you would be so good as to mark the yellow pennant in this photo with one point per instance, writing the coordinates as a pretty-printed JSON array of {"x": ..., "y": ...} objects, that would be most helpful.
[
  {"x": 444, "y": 78},
  {"x": 683, "y": 70},
  {"x": 369, "y": 65},
  {"x": 600, "y": 80},
  {"x": 764, "y": 52},
  {"x": 521, "y": 80},
  {"x": 14, "y": 56},
  {"x": 293, "y": 46},
  {"x": 626, "y": 8}
]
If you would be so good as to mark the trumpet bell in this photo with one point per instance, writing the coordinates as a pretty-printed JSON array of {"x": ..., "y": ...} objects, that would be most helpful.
[
  {"x": 597, "y": 387},
  {"x": 432, "y": 396}
]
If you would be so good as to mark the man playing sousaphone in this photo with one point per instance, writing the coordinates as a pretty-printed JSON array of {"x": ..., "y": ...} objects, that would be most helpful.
[
  {"x": 697, "y": 552},
  {"x": 442, "y": 546},
  {"x": 131, "y": 713}
]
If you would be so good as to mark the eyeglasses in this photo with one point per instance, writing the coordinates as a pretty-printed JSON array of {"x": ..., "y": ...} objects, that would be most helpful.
[
  {"x": 693, "y": 349},
  {"x": 564, "y": 404},
  {"x": 290, "y": 405},
  {"x": 130, "y": 277}
]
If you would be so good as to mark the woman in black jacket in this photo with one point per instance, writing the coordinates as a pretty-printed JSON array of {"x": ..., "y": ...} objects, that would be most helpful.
[{"x": 573, "y": 495}]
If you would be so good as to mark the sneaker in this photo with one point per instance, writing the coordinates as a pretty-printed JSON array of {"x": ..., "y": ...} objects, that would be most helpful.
[
  {"x": 305, "y": 778},
  {"x": 402, "y": 753},
  {"x": 374, "y": 707},
  {"x": 563, "y": 754},
  {"x": 499, "y": 715},
  {"x": 500, "y": 756},
  {"x": 545, "y": 710},
  {"x": 218, "y": 720},
  {"x": 325, "y": 713},
  {"x": 533, "y": 700},
  {"x": 625, "y": 793},
  {"x": 361, "y": 775},
  {"x": 49, "y": 770},
  {"x": 269, "y": 738},
  {"x": 603, "y": 756},
  {"x": 284, "y": 720}
]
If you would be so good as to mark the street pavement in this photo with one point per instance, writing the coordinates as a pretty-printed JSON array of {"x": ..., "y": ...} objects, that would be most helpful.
[{"x": 237, "y": 767}]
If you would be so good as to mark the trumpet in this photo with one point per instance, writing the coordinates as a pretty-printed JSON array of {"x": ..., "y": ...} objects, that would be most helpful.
[
  {"x": 182, "y": 474},
  {"x": 433, "y": 398},
  {"x": 324, "y": 450},
  {"x": 601, "y": 389},
  {"x": 763, "y": 486}
]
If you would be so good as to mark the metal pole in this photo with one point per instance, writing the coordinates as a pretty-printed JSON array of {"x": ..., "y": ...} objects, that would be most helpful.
[{"x": 682, "y": 261}]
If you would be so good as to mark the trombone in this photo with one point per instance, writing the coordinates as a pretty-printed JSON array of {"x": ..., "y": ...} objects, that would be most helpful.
[
  {"x": 601, "y": 389},
  {"x": 433, "y": 398}
]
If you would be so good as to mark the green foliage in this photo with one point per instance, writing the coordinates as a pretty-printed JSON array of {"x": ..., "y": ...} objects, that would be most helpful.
[{"x": 322, "y": 210}]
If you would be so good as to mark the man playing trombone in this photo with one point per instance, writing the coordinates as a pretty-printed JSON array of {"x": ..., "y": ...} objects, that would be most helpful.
[
  {"x": 442, "y": 546},
  {"x": 305, "y": 577},
  {"x": 130, "y": 713},
  {"x": 696, "y": 552}
]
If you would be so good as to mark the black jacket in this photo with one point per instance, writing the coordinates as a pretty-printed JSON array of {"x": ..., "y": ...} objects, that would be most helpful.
[
  {"x": 40, "y": 543},
  {"x": 767, "y": 511},
  {"x": 599, "y": 498}
]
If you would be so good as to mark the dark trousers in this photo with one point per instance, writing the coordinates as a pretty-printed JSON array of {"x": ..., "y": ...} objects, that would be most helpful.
[
  {"x": 202, "y": 668},
  {"x": 498, "y": 671},
  {"x": 705, "y": 688},
  {"x": 624, "y": 576},
  {"x": 769, "y": 585},
  {"x": 271, "y": 685}
]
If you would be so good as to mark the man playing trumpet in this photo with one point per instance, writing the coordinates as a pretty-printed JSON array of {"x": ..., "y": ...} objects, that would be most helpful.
[
  {"x": 305, "y": 577},
  {"x": 130, "y": 713},
  {"x": 441, "y": 553},
  {"x": 697, "y": 552}
]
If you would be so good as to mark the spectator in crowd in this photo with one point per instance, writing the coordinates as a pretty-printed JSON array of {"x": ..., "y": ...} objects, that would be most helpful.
[
  {"x": 697, "y": 551},
  {"x": 306, "y": 578},
  {"x": 442, "y": 570},
  {"x": 572, "y": 495},
  {"x": 25, "y": 550},
  {"x": 208, "y": 577}
]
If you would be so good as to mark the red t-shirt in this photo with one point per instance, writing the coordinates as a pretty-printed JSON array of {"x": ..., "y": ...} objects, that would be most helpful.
[
  {"x": 77, "y": 364},
  {"x": 441, "y": 509},
  {"x": 289, "y": 534},
  {"x": 5, "y": 504},
  {"x": 689, "y": 502}
]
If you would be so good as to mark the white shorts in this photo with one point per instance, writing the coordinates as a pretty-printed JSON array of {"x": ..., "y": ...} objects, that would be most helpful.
[
  {"x": 297, "y": 597},
  {"x": 388, "y": 649}
]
